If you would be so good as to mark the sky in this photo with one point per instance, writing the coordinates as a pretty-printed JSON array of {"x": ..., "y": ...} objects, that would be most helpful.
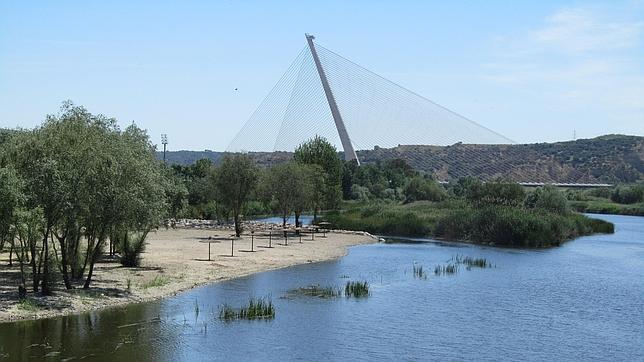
[{"x": 534, "y": 71}]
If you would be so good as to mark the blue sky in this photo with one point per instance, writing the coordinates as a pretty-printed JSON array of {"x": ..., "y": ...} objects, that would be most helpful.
[{"x": 533, "y": 71}]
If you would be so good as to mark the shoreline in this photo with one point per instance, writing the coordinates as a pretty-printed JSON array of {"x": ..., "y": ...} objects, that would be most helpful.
[{"x": 175, "y": 261}]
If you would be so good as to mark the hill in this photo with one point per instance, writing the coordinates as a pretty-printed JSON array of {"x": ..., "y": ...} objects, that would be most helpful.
[{"x": 604, "y": 159}]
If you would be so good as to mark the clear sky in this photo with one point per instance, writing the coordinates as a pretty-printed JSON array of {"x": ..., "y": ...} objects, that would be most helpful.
[{"x": 533, "y": 71}]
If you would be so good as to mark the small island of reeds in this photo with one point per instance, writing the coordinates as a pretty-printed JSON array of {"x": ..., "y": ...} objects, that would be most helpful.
[
  {"x": 492, "y": 213},
  {"x": 257, "y": 308}
]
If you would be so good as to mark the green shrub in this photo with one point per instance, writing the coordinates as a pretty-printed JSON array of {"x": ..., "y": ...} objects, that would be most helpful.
[
  {"x": 419, "y": 188},
  {"x": 603, "y": 192},
  {"x": 547, "y": 198},
  {"x": 131, "y": 246},
  {"x": 628, "y": 194},
  {"x": 489, "y": 193}
]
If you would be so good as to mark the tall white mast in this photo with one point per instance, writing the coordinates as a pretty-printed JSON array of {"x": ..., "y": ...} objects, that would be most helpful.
[{"x": 349, "y": 152}]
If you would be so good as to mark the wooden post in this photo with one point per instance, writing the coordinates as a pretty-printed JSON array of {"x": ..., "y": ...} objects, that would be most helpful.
[
  {"x": 232, "y": 246},
  {"x": 270, "y": 238},
  {"x": 208, "y": 250},
  {"x": 252, "y": 240}
]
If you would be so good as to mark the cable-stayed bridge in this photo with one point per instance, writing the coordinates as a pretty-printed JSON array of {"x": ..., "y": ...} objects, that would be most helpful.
[{"x": 362, "y": 113}]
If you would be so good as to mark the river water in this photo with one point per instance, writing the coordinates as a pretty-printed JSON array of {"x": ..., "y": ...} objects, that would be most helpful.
[{"x": 581, "y": 301}]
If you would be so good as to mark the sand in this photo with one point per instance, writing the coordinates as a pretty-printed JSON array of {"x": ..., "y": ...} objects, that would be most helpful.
[{"x": 175, "y": 260}]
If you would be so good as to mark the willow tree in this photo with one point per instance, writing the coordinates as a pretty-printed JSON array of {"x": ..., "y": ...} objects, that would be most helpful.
[
  {"x": 89, "y": 178},
  {"x": 10, "y": 199},
  {"x": 235, "y": 181}
]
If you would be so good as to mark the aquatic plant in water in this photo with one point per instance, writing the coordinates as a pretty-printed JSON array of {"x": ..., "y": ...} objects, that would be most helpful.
[
  {"x": 419, "y": 272},
  {"x": 471, "y": 262},
  {"x": 258, "y": 308},
  {"x": 356, "y": 289},
  {"x": 317, "y": 291},
  {"x": 446, "y": 269}
]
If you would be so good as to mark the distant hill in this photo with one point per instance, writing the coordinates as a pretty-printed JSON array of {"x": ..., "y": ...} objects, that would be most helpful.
[{"x": 605, "y": 159}]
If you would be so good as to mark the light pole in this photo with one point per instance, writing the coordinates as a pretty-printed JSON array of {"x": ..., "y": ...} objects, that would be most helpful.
[{"x": 164, "y": 140}]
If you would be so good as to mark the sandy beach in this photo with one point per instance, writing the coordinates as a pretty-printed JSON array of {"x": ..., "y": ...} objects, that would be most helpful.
[{"x": 175, "y": 260}]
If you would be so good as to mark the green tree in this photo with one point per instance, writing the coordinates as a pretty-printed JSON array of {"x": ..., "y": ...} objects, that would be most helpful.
[
  {"x": 235, "y": 180},
  {"x": 91, "y": 181},
  {"x": 11, "y": 197},
  {"x": 419, "y": 188},
  {"x": 318, "y": 151}
]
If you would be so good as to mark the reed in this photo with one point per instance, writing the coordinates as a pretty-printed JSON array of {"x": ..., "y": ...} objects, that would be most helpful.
[
  {"x": 257, "y": 308},
  {"x": 446, "y": 269},
  {"x": 471, "y": 262},
  {"x": 356, "y": 289},
  {"x": 317, "y": 291},
  {"x": 419, "y": 272}
]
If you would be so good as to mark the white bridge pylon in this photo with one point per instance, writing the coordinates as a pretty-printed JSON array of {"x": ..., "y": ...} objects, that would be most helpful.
[{"x": 324, "y": 94}]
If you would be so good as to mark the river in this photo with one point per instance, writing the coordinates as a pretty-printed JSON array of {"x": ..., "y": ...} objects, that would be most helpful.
[{"x": 580, "y": 301}]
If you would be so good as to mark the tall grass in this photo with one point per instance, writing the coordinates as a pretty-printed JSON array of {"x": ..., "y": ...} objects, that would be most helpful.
[
  {"x": 356, "y": 289},
  {"x": 471, "y": 262},
  {"x": 317, "y": 291},
  {"x": 446, "y": 269},
  {"x": 419, "y": 272},
  {"x": 257, "y": 308}
]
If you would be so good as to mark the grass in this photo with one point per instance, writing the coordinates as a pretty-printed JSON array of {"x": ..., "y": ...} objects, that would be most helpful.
[
  {"x": 158, "y": 281},
  {"x": 471, "y": 262},
  {"x": 356, "y": 289},
  {"x": 28, "y": 305},
  {"x": 257, "y": 308},
  {"x": 448, "y": 269},
  {"x": 419, "y": 272},
  {"x": 318, "y": 291}
]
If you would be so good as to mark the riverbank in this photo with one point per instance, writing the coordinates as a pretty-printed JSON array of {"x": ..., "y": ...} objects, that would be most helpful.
[{"x": 175, "y": 260}]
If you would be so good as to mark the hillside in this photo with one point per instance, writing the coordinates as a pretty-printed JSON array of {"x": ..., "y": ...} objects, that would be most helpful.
[{"x": 605, "y": 159}]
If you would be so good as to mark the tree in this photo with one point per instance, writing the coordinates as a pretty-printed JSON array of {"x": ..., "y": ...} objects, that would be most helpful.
[
  {"x": 27, "y": 230},
  {"x": 419, "y": 188},
  {"x": 318, "y": 151},
  {"x": 547, "y": 198},
  {"x": 91, "y": 181},
  {"x": 235, "y": 180},
  {"x": 176, "y": 194},
  {"x": 11, "y": 197},
  {"x": 290, "y": 188}
]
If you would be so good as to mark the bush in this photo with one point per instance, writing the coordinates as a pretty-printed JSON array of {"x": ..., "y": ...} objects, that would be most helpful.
[
  {"x": 603, "y": 192},
  {"x": 131, "y": 247},
  {"x": 628, "y": 194},
  {"x": 547, "y": 198},
  {"x": 360, "y": 193},
  {"x": 509, "y": 226},
  {"x": 490, "y": 193},
  {"x": 419, "y": 188}
]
